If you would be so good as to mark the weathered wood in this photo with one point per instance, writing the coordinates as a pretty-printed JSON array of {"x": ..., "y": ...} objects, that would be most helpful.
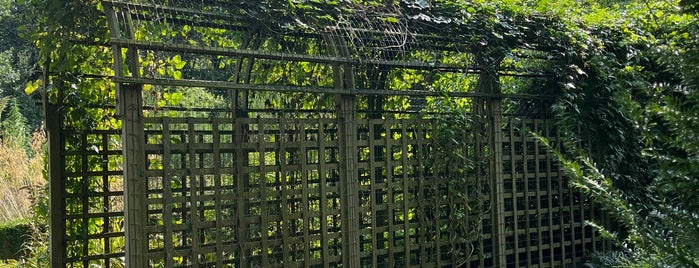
[
  {"x": 130, "y": 107},
  {"x": 290, "y": 57},
  {"x": 490, "y": 110},
  {"x": 312, "y": 89},
  {"x": 56, "y": 185},
  {"x": 346, "y": 106},
  {"x": 135, "y": 183},
  {"x": 167, "y": 177}
]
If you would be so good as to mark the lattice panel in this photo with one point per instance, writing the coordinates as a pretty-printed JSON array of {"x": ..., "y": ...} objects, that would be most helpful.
[
  {"x": 404, "y": 198},
  {"x": 544, "y": 219},
  {"x": 243, "y": 193},
  {"x": 93, "y": 198},
  {"x": 266, "y": 193}
]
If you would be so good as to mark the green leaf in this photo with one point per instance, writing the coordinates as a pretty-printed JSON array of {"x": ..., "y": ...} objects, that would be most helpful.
[
  {"x": 178, "y": 62},
  {"x": 31, "y": 87},
  {"x": 391, "y": 20},
  {"x": 175, "y": 98}
]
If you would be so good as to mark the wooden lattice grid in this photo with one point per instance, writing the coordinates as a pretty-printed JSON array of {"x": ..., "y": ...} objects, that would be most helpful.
[
  {"x": 264, "y": 192},
  {"x": 256, "y": 191},
  {"x": 282, "y": 175},
  {"x": 93, "y": 198},
  {"x": 544, "y": 218}
]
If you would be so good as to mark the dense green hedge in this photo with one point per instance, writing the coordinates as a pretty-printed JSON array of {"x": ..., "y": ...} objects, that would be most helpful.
[{"x": 12, "y": 238}]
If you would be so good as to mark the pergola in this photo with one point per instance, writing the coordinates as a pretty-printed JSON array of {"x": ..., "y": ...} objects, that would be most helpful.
[{"x": 385, "y": 137}]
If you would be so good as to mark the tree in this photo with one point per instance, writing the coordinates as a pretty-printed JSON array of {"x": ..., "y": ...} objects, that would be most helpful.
[
  {"x": 14, "y": 128},
  {"x": 18, "y": 60}
]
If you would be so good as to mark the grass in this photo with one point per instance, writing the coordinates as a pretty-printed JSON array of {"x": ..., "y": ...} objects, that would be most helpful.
[
  {"x": 21, "y": 178},
  {"x": 21, "y": 182}
]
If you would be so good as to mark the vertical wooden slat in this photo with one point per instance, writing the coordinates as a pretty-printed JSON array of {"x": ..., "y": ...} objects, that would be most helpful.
[
  {"x": 217, "y": 190},
  {"x": 84, "y": 194},
  {"x": 241, "y": 186},
  {"x": 549, "y": 196},
  {"x": 560, "y": 209},
  {"x": 539, "y": 192},
  {"x": 287, "y": 195},
  {"x": 525, "y": 196},
  {"x": 349, "y": 183},
  {"x": 104, "y": 145},
  {"x": 514, "y": 176},
  {"x": 135, "y": 183},
  {"x": 389, "y": 185},
  {"x": 193, "y": 175},
  {"x": 324, "y": 210},
  {"x": 571, "y": 224},
  {"x": 298, "y": 138},
  {"x": 373, "y": 193},
  {"x": 262, "y": 193},
  {"x": 406, "y": 189},
  {"x": 436, "y": 221},
  {"x": 167, "y": 194},
  {"x": 419, "y": 178},
  {"x": 512, "y": 140},
  {"x": 130, "y": 103},
  {"x": 497, "y": 201}
]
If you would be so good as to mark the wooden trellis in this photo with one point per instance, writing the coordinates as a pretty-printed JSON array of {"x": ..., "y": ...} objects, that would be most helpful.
[{"x": 354, "y": 180}]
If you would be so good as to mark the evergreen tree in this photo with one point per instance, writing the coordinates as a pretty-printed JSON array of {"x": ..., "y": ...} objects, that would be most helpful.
[{"x": 14, "y": 128}]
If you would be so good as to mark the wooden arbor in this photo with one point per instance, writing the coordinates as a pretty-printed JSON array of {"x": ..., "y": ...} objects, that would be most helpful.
[{"x": 313, "y": 148}]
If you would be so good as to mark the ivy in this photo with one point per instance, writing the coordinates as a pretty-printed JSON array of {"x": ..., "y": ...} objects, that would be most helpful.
[{"x": 458, "y": 161}]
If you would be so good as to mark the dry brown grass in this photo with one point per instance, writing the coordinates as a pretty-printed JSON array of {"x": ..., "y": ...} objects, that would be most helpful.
[{"x": 21, "y": 178}]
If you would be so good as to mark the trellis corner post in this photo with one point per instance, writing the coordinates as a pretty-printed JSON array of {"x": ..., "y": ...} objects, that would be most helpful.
[
  {"x": 130, "y": 109},
  {"x": 490, "y": 110},
  {"x": 346, "y": 105},
  {"x": 55, "y": 167}
]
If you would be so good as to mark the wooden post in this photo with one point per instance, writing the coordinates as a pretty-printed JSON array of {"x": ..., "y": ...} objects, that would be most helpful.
[
  {"x": 135, "y": 182},
  {"x": 494, "y": 107},
  {"x": 491, "y": 108},
  {"x": 56, "y": 205},
  {"x": 130, "y": 108},
  {"x": 346, "y": 107},
  {"x": 57, "y": 229},
  {"x": 349, "y": 182}
]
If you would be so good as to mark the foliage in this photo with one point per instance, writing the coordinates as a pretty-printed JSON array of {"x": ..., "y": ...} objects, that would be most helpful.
[
  {"x": 22, "y": 161},
  {"x": 636, "y": 97},
  {"x": 18, "y": 61},
  {"x": 14, "y": 132},
  {"x": 13, "y": 237},
  {"x": 459, "y": 162},
  {"x": 22, "y": 182}
]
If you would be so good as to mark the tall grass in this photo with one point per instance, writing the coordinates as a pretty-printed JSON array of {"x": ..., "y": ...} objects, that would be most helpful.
[
  {"x": 21, "y": 165},
  {"x": 21, "y": 178}
]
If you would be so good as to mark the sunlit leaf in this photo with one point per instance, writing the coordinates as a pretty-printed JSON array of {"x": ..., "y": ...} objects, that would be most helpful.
[{"x": 31, "y": 87}]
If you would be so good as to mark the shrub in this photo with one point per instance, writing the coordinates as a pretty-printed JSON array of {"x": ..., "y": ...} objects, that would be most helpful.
[{"x": 13, "y": 237}]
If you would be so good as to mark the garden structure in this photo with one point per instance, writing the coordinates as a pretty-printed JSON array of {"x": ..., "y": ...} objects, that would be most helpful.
[{"x": 232, "y": 136}]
